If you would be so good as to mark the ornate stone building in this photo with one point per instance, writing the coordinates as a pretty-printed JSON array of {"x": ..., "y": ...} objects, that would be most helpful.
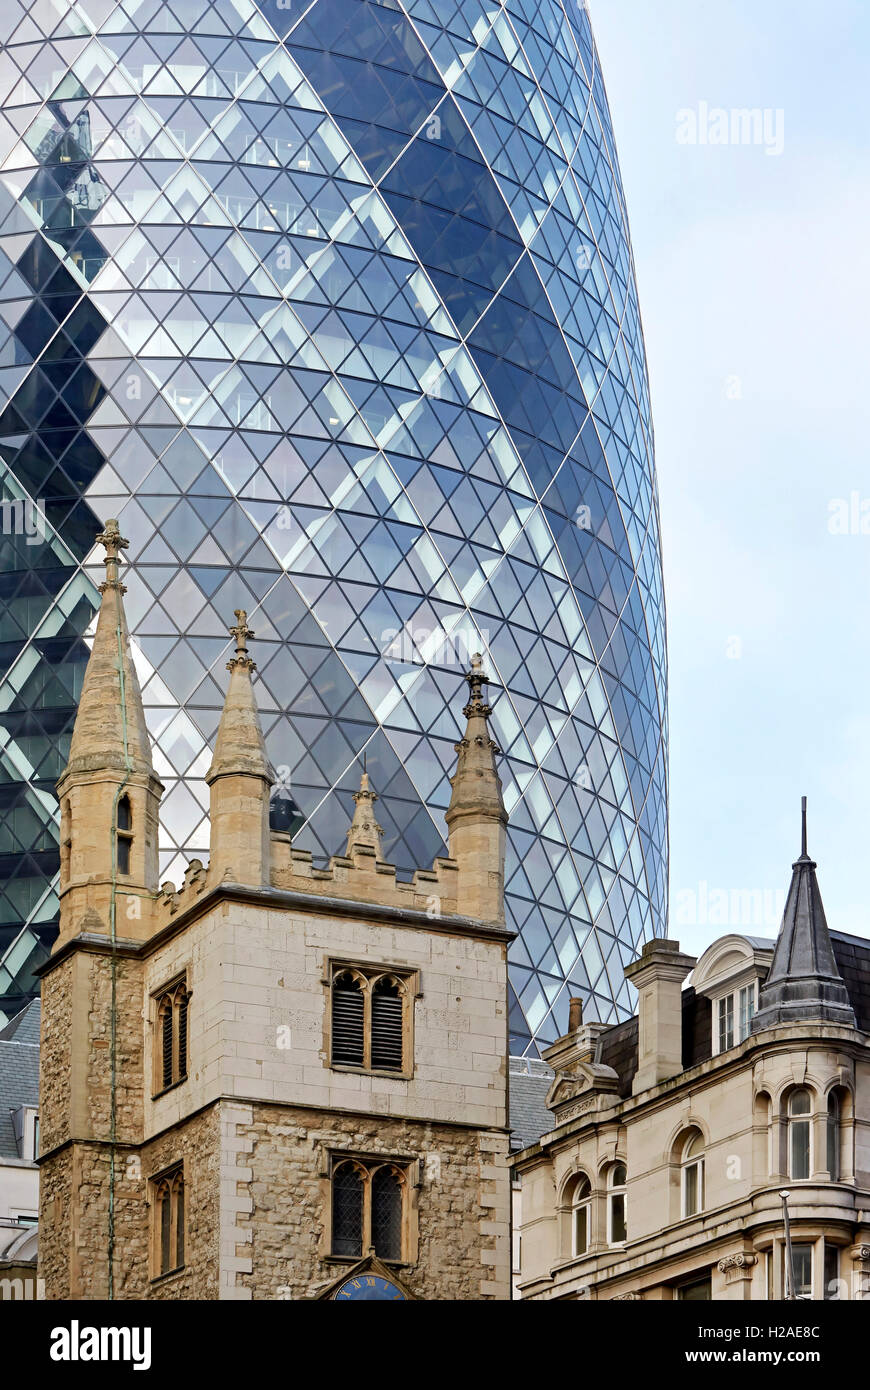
[
  {"x": 276, "y": 1081},
  {"x": 675, "y": 1134}
]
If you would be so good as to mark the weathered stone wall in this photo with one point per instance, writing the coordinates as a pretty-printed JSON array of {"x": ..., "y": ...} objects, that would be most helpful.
[
  {"x": 74, "y": 1217},
  {"x": 197, "y": 1144},
  {"x": 74, "y": 1225},
  {"x": 129, "y": 1047},
  {"x": 76, "y": 1110},
  {"x": 462, "y": 1202},
  {"x": 55, "y": 1055},
  {"x": 56, "y": 1250}
]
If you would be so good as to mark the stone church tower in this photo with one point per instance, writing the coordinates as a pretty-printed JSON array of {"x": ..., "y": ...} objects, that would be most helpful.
[{"x": 275, "y": 1081}]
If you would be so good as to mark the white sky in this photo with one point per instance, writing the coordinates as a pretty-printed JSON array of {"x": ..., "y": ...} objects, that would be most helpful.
[{"x": 754, "y": 278}]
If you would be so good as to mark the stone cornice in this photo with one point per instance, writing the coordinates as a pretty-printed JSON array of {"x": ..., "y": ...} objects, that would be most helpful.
[{"x": 94, "y": 1141}]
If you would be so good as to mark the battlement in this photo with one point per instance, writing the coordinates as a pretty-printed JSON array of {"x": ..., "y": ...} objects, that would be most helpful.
[{"x": 359, "y": 877}]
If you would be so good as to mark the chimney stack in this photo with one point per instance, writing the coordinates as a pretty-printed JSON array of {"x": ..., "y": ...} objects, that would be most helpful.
[{"x": 658, "y": 977}]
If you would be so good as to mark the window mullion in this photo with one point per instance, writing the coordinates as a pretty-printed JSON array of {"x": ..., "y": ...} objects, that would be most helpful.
[
  {"x": 175, "y": 1071},
  {"x": 173, "y": 1225},
  {"x": 367, "y": 1212},
  {"x": 367, "y": 1026}
]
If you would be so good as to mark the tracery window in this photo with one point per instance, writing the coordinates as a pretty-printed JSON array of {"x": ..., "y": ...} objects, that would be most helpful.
[
  {"x": 170, "y": 1051},
  {"x": 369, "y": 1208},
  {"x": 371, "y": 1019},
  {"x": 167, "y": 1207}
]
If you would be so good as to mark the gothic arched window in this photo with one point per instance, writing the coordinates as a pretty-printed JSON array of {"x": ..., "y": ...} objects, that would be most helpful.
[
  {"x": 348, "y": 1191},
  {"x": 369, "y": 1208},
  {"x": 387, "y": 1186},
  {"x": 387, "y": 1012},
  {"x": 348, "y": 1019},
  {"x": 371, "y": 1019},
  {"x": 170, "y": 1050},
  {"x": 168, "y": 1216}
]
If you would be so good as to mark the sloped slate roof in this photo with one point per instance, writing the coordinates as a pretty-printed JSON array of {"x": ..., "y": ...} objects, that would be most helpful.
[
  {"x": 530, "y": 1080},
  {"x": 19, "y": 1072},
  {"x": 852, "y": 954},
  {"x": 24, "y": 1027}
]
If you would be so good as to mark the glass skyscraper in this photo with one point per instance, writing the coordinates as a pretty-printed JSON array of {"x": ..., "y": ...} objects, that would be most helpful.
[{"x": 333, "y": 305}]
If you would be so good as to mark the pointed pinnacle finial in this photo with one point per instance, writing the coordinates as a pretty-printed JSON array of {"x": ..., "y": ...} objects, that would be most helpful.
[
  {"x": 364, "y": 830},
  {"x": 241, "y": 632},
  {"x": 803, "y": 827},
  {"x": 114, "y": 543},
  {"x": 477, "y": 679}
]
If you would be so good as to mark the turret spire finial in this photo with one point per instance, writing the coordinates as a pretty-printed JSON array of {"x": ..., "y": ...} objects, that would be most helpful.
[
  {"x": 476, "y": 817},
  {"x": 804, "y": 854},
  {"x": 242, "y": 633},
  {"x": 114, "y": 543},
  {"x": 477, "y": 679},
  {"x": 364, "y": 832}
]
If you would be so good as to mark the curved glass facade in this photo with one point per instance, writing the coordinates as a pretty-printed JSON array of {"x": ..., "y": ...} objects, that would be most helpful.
[{"x": 332, "y": 304}]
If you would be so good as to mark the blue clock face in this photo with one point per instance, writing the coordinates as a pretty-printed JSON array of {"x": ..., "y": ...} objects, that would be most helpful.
[{"x": 369, "y": 1286}]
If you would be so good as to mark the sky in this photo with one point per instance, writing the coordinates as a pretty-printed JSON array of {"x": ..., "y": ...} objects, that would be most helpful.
[{"x": 753, "y": 268}]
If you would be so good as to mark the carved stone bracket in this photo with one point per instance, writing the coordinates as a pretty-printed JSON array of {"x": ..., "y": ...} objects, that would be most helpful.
[
  {"x": 737, "y": 1267},
  {"x": 741, "y": 1261}
]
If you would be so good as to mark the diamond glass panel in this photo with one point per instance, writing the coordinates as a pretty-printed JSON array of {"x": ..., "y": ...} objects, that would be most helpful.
[{"x": 333, "y": 305}]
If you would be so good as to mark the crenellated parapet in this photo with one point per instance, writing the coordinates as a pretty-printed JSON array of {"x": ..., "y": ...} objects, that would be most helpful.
[
  {"x": 362, "y": 877},
  {"x": 174, "y": 899}
]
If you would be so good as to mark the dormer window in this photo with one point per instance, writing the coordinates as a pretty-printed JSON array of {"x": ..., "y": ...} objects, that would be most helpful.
[
  {"x": 730, "y": 974},
  {"x": 124, "y": 834},
  {"x": 734, "y": 1014}
]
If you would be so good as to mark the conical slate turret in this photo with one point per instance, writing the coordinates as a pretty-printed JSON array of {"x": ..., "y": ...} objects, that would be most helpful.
[
  {"x": 476, "y": 817},
  {"x": 240, "y": 777},
  {"x": 804, "y": 984}
]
